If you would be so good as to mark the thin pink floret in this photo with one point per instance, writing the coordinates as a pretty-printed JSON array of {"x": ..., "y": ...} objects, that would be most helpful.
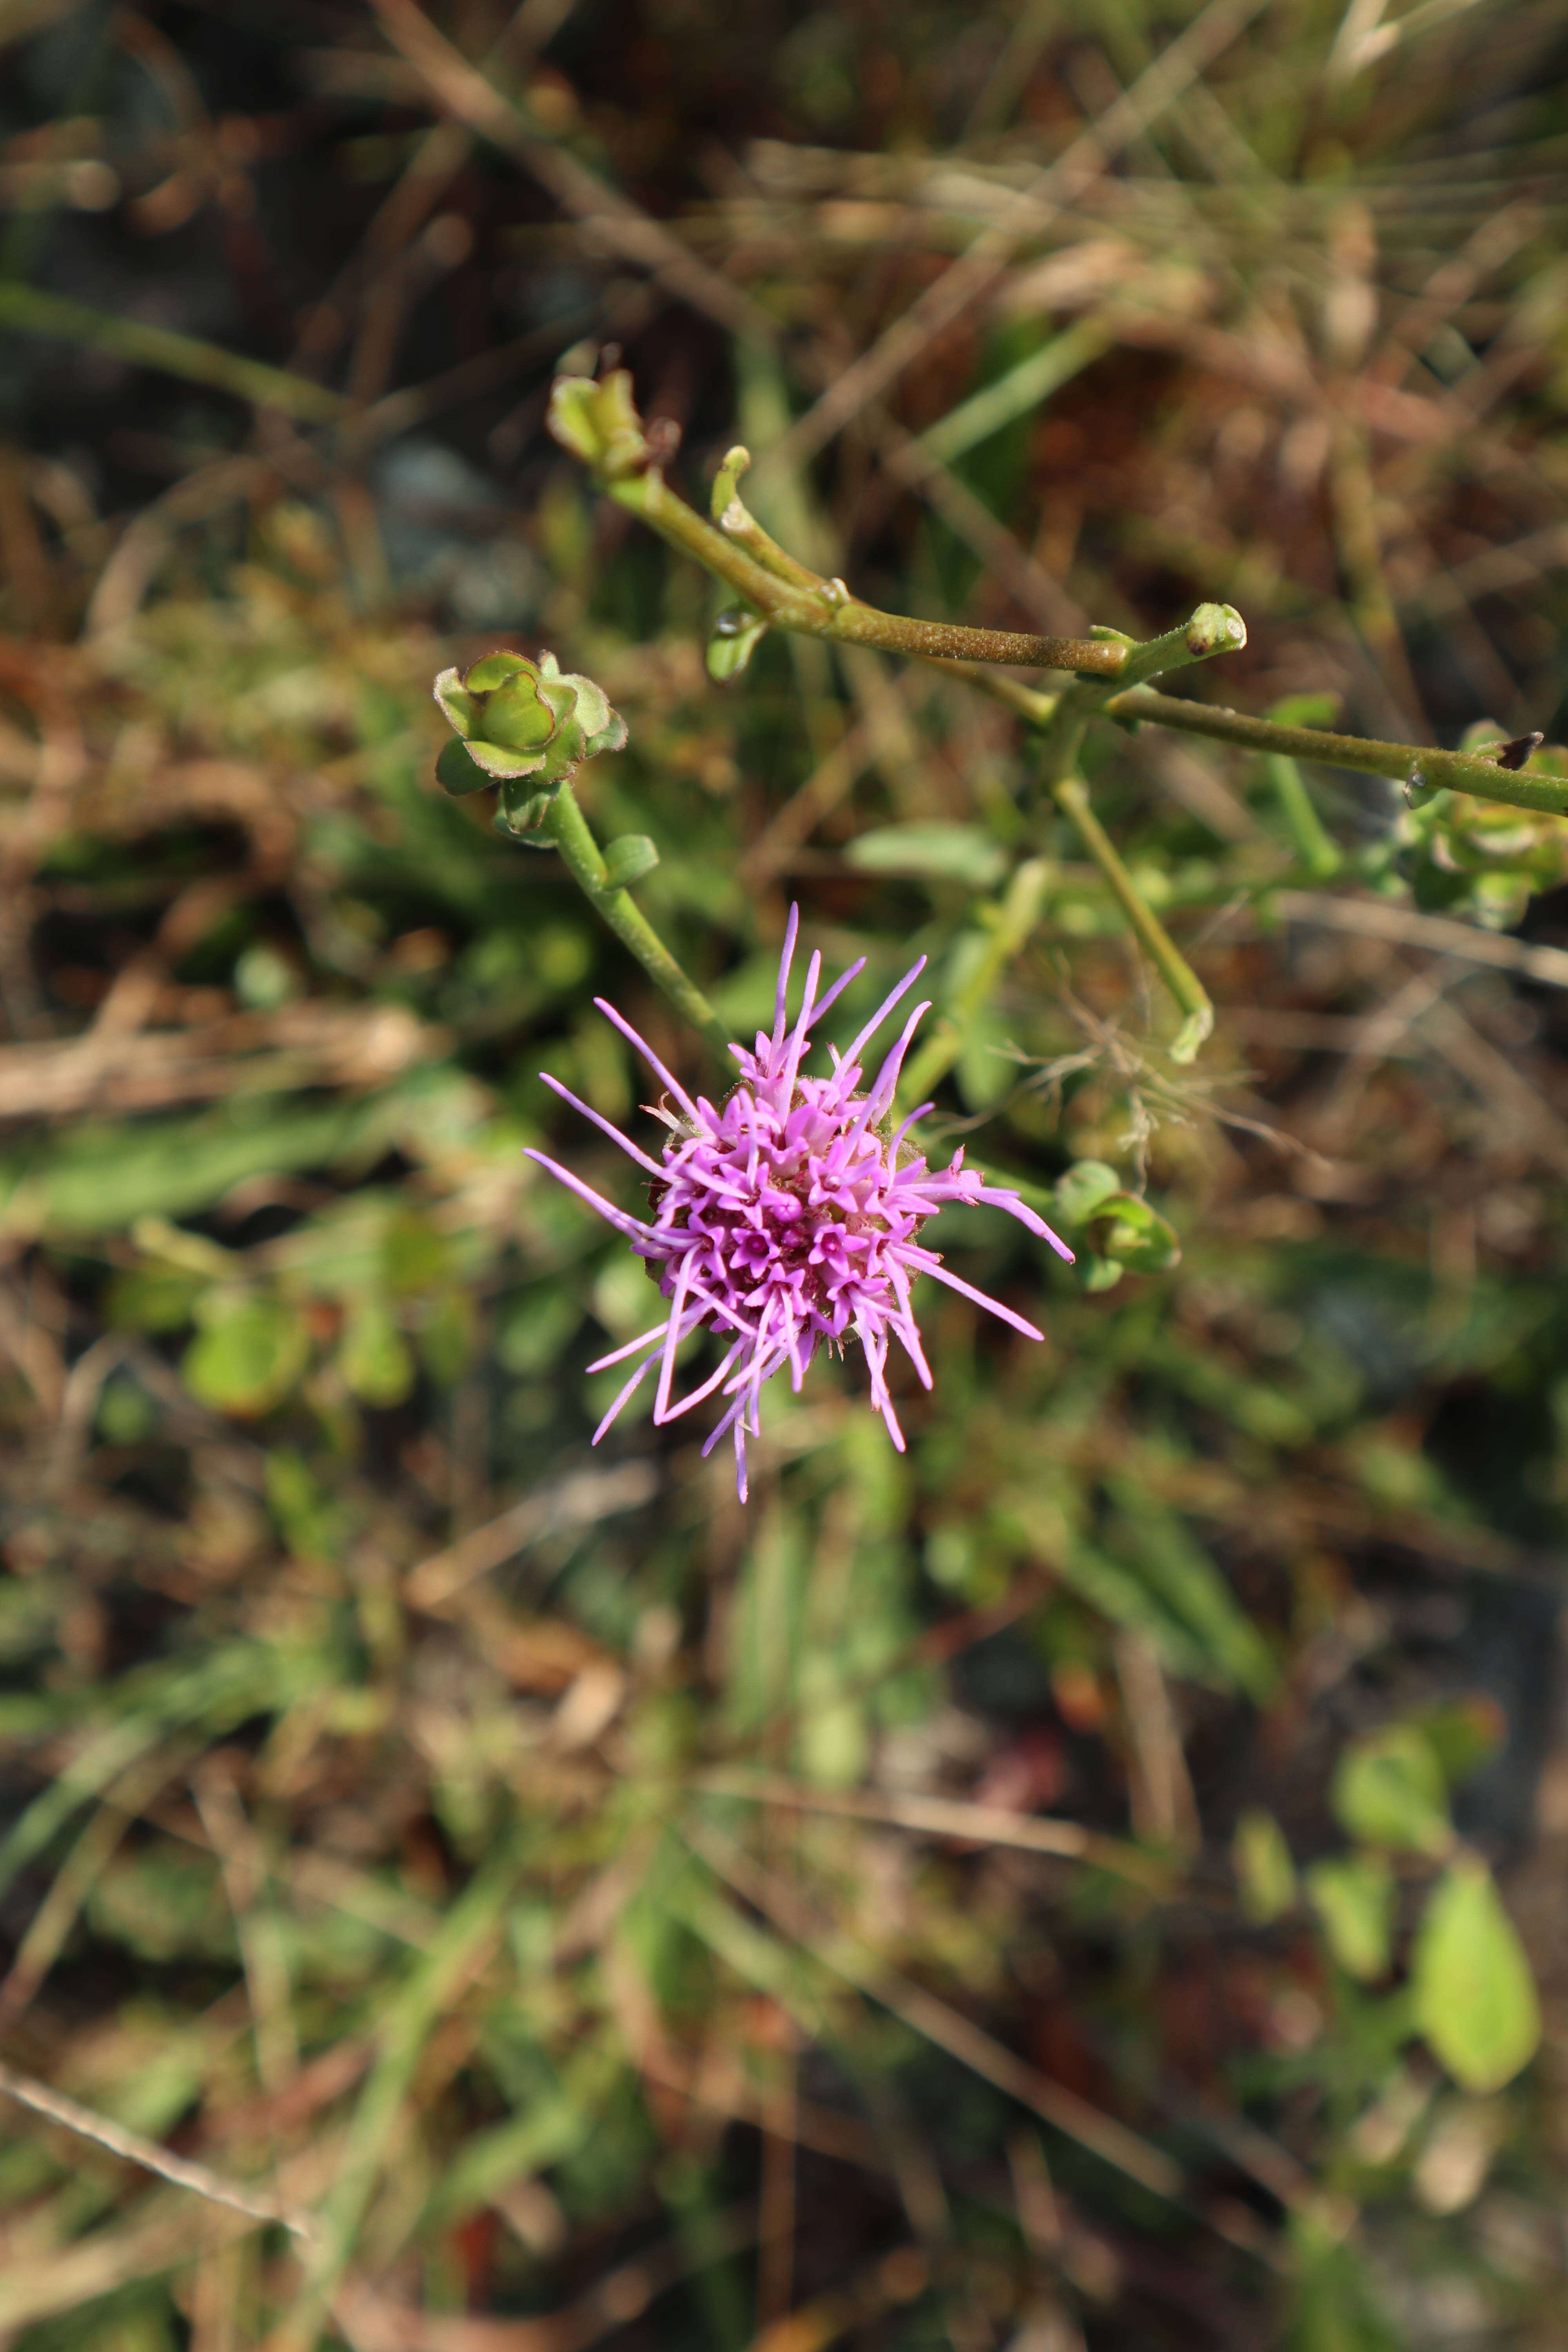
[{"x": 785, "y": 1219}]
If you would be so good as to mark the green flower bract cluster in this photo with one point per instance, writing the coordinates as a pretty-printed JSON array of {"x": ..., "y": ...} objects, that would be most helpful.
[{"x": 524, "y": 725}]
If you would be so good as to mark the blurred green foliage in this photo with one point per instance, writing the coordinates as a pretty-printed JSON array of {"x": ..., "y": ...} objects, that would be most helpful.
[{"x": 1095, "y": 1881}]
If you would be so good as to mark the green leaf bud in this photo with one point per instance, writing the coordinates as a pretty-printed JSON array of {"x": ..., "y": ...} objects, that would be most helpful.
[
  {"x": 517, "y": 716},
  {"x": 1215, "y": 629},
  {"x": 598, "y": 421},
  {"x": 1465, "y": 856},
  {"x": 1122, "y": 1232},
  {"x": 735, "y": 636}
]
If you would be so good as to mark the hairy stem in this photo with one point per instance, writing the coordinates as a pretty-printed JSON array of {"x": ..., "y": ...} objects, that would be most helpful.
[
  {"x": 828, "y": 609},
  {"x": 568, "y": 828}
]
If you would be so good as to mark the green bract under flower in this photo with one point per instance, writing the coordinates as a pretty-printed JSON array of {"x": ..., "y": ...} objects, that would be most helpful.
[{"x": 520, "y": 722}]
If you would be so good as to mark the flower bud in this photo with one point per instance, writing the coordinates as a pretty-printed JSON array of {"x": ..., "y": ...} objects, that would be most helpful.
[{"x": 514, "y": 718}]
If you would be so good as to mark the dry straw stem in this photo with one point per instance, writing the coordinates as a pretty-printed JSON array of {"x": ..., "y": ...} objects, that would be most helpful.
[
  {"x": 831, "y": 1947},
  {"x": 1381, "y": 918},
  {"x": 1058, "y": 185},
  {"x": 948, "y": 1817},
  {"x": 578, "y": 1501},
  {"x": 55, "y": 2108},
  {"x": 462, "y": 91}
]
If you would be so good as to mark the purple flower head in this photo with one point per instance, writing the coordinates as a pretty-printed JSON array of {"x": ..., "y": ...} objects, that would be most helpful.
[{"x": 789, "y": 1217}]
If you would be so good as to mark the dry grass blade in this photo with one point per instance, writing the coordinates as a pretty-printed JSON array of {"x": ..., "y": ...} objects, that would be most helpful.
[
  {"x": 199, "y": 2178},
  {"x": 1061, "y": 184},
  {"x": 937, "y": 2021},
  {"x": 946, "y": 1817},
  {"x": 306, "y": 1045},
  {"x": 463, "y": 91},
  {"x": 574, "y": 1502},
  {"x": 1383, "y": 918},
  {"x": 158, "y": 2238}
]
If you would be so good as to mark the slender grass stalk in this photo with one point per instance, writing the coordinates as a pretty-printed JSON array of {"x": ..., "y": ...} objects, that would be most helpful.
[
  {"x": 31, "y": 312},
  {"x": 1313, "y": 845},
  {"x": 1011, "y": 923},
  {"x": 1070, "y": 794}
]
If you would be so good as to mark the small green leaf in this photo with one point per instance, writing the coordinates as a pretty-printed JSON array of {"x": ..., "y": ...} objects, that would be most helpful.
[
  {"x": 1265, "y": 1874},
  {"x": 1335, "y": 2306},
  {"x": 493, "y": 670},
  {"x": 1464, "y": 1734},
  {"x": 966, "y": 854},
  {"x": 517, "y": 719},
  {"x": 456, "y": 771},
  {"x": 1389, "y": 1789},
  {"x": 415, "y": 1254},
  {"x": 126, "y": 1414},
  {"x": 1475, "y": 1997},
  {"x": 628, "y": 858},
  {"x": 734, "y": 638},
  {"x": 248, "y": 1353},
  {"x": 521, "y": 814},
  {"x": 309, "y": 1519},
  {"x": 373, "y": 1356},
  {"x": 1352, "y": 1896},
  {"x": 151, "y": 1298},
  {"x": 1318, "y": 710},
  {"x": 598, "y": 421},
  {"x": 447, "y": 1336}
]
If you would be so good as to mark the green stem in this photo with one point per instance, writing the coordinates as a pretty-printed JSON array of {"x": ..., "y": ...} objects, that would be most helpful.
[
  {"x": 736, "y": 521},
  {"x": 1011, "y": 923},
  {"x": 1317, "y": 850},
  {"x": 568, "y": 828},
  {"x": 1142, "y": 921},
  {"x": 31, "y": 312},
  {"x": 1414, "y": 764}
]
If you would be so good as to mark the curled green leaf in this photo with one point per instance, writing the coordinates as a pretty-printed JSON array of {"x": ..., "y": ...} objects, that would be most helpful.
[
  {"x": 597, "y": 421},
  {"x": 1265, "y": 1874},
  {"x": 627, "y": 859},
  {"x": 734, "y": 638}
]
